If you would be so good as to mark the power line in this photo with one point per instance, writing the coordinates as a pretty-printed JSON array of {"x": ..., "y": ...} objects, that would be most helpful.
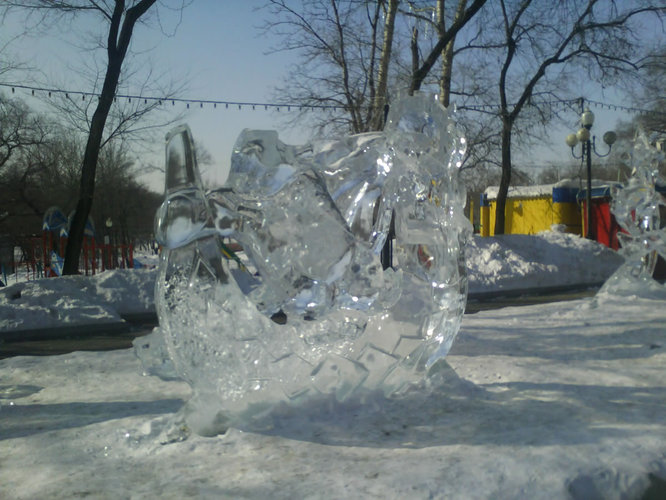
[
  {"x": 173, "y": 100},
  {"x": 618, "y": 107},
  {"x": 494, "y": 107},
  {"x": 226, "y": 104},
  {"x": 565, "y": 102}
]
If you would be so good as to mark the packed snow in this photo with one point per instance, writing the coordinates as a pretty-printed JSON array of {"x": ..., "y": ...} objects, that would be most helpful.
[
  {"x": 52, "y": 302},
  {"x": 546, "y": 261},
  {"x": 560, "y": 400}
]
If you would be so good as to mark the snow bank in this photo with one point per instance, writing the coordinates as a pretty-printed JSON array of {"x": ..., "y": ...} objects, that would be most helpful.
[
  {"x": 495, "y": 264},
  {"x": 548, "y": 259},
  {"x": 52, "y": 302}
]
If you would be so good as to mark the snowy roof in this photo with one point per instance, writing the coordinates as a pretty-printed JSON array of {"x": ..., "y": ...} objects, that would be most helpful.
[
  {"x": 545, "y": 189},
  {"x": 521, "y": 191}
]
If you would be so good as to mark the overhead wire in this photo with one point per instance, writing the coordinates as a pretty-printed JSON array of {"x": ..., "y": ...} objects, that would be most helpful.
[{"x": 289, "y": 106}]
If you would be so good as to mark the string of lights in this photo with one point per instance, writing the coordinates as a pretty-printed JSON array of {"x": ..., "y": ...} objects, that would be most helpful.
[
  {"x": 629, "y": 109},
  {"x": 571, "y": 102},
  {"x": 173, "y": 100},
  {"x": 214, "y": 103},
  {"x": 493, "y": 107}
]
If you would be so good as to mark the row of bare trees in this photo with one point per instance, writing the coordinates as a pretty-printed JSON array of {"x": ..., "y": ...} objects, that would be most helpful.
[
  {"x": 508, "y": 58},
  {"x": 40, "y": 168},
  {"x": 114, "y": 23},
  {"x": 347, "y": 50}
]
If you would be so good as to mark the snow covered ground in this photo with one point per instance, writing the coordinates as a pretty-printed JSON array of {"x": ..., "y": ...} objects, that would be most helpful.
[
  {"x": 512, "y": 262},
  {"x": 563, "y": 400}
]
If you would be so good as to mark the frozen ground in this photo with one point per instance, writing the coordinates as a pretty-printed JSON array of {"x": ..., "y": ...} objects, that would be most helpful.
[{"x": 562, "y": 400}]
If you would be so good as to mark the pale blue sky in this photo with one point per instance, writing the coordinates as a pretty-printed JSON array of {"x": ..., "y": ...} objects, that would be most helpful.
[{"x": 219, "y": 51}]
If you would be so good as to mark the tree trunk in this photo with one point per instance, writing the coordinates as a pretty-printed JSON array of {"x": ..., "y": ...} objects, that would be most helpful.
[
  {"x": 500, "y": 213},
  {"x": 445, "y": 82},
  {"x": 382, "y": 77},
  {"x": 414, "y": 49},
  {"x": 447, "y": 53},
  {"x": 88, "y": 171},
  {"x": 370, "y": 72}
]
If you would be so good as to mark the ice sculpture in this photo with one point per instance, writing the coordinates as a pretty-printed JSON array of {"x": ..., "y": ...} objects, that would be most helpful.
[
  {"x": 308, "y": 308},
  {"x": 640, "y": 210}
]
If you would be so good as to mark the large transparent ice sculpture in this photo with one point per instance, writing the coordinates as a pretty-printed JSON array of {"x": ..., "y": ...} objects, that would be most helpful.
[
  {"x": 332, "y": 268},
  {"x": 640, "y": 210}
]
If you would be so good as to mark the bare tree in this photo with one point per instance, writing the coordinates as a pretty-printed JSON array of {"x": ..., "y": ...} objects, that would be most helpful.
[
  {"x": 43, "y": 170},
  {"x": 538, "y": 36},
  {"x": 653, "y": 95},
  {"x": 122, "y": 199},
  {"x": 428, "y": 18},
  {"x": 19, "y": 129},
  {"x": 447, "y": 53},
  {"x": 120, "y": 18},
  {"x": 131, "y": 120},
  {"x": 345, "y": 54},
  {"x": 446, "y": 36},
  {"x": 36, "y": 166},
  {"x": 348, "y": 52}
]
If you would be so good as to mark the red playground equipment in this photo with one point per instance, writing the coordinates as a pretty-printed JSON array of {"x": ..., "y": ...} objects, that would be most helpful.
[{"x": 95, "y": 257}]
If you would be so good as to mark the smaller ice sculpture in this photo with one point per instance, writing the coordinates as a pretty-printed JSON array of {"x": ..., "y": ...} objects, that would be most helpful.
[
  {"x": 640, "y": 210},
  {"x": 321, "y": 270}
]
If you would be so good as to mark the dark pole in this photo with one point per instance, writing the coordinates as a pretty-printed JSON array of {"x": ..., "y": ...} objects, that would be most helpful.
[
  {"x": 584, "y": 136},
  {"x": 386, "y": 256},
  {"x": 587, "y": 151},
  {"x": 588, "y": 197}
]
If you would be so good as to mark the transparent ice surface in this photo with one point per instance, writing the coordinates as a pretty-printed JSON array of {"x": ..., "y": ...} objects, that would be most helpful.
[
  {"x": 272, "y": 289},
  {"x": 640, "y": 210}
]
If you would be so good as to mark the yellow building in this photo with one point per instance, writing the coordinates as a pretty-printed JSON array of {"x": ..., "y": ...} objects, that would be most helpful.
[{"x": 532, "y": 209}]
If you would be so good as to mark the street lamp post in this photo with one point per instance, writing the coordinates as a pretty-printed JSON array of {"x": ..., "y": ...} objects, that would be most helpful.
[
  {"x": 588, "y": 145},
  {"x": 108, "y": 242}
]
